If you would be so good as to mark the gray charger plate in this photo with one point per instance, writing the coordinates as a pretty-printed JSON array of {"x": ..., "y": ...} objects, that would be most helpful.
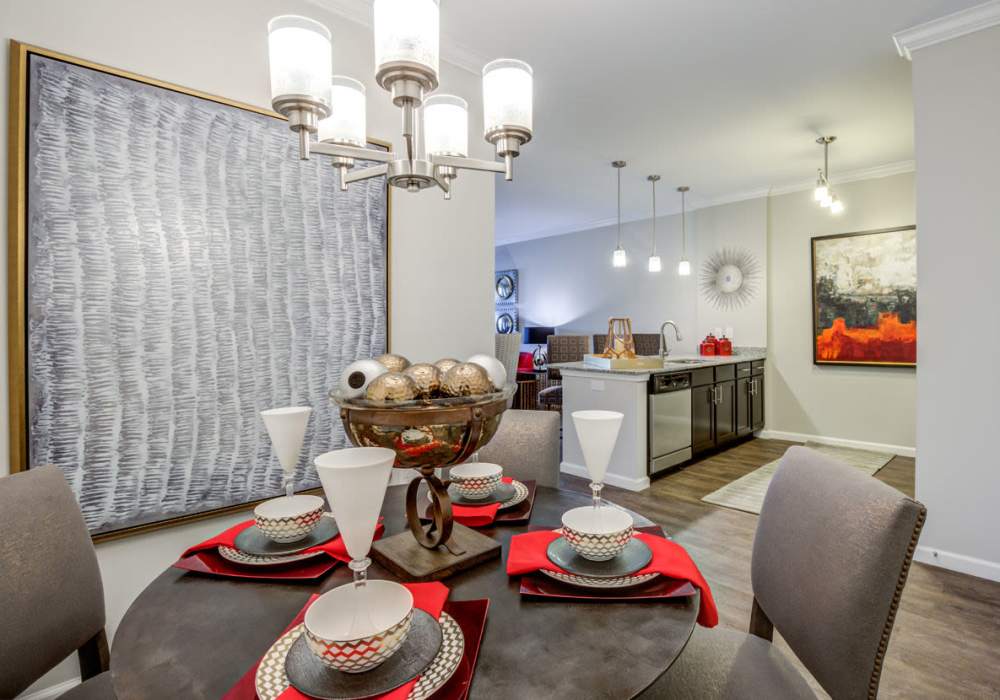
[
  {"x": 503, "y": 492},
  {"x": 253, "y": 541},
  {"x": 308, "y": 674},
  {"x": 634, "y": 557}
]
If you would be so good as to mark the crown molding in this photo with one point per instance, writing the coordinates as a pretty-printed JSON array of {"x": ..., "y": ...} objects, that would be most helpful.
[
  {"x": 360, "y": 12},
  {"x": 948, "y": 27},
  {"x": 887, "y": 170},
  {"x": 873, "y": 173}
]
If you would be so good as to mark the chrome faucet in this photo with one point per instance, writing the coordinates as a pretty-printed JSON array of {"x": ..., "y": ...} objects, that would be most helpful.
[{"x": 664, "y": 350}]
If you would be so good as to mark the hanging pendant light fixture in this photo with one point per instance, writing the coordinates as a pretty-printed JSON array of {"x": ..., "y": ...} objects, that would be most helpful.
[
  {"x": 654, "y": 260},
  {"x": 823, "y": 194},
  {"x": 684, "y": 266},
  {"x": 618, "y": 257},
  {"x": 407, "y": 38}
]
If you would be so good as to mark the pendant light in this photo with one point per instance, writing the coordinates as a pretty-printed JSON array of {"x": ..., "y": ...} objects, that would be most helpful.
[
  {"x": 654, "y": 260},
  {"x": 684, "y": 266},
  {"x": 823, "y": 194},
  {"x": 618, "y": 257}
]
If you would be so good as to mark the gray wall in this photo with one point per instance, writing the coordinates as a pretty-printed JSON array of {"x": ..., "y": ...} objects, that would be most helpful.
[
  {"x": 867, "y": 404},
  {"x": 567, "y": 281},
  {"x": 957, "y": 109},
  {"x": 441, "y": 257}
]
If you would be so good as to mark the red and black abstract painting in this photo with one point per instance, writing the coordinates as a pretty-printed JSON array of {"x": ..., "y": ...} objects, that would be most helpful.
[{"x": 865, "y": 298}]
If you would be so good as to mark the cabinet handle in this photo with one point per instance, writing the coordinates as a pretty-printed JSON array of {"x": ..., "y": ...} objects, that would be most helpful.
[
  {"x": 753, "y": 387},
  {"x": 717, "y": 391}
]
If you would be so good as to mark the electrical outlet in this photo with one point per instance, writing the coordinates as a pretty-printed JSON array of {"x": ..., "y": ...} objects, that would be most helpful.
[{"x": 596, "y": 385}]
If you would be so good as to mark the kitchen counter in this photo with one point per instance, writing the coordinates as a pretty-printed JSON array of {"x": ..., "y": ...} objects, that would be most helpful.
[
  {"x": 717, "y": 408},
  {"x": 673, "y": 363}
]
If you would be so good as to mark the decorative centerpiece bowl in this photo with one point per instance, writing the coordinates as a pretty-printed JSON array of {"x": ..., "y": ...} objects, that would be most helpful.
[{"x": 426, "y": 434}]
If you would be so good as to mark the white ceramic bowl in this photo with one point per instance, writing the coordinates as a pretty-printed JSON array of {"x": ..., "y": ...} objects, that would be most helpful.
[
  {"x": 597, "y": 534},
  {"x": 476, "y": 480},
  {"x": 355, "y": 629},
  {"x": 289, "y": 518}
]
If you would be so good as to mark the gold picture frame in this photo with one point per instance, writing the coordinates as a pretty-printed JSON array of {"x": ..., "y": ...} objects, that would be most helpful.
[{"x": 17, "y": 291}]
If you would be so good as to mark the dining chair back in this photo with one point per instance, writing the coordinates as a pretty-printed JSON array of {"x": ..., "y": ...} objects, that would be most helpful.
[
  {"x": 50, "y": 583},
  {"x": 830, "y": 557},
  {"x": 526, "y": 445},
  {"x": 565, "y": 348},
  {"x": 507, "y": 347}
]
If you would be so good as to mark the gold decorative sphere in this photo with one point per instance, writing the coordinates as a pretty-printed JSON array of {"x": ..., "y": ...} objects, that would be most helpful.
[
  {"x": 466, "y": 379},
  {"x": 427, "y": 377},
  {"x": 393, "y": 363},
  {"x": 392, "y": 386},
  {"x": 445, "y": 364}
]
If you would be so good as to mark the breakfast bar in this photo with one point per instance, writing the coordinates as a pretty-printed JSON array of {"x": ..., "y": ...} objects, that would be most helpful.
[{"x": 688, "y": 406}]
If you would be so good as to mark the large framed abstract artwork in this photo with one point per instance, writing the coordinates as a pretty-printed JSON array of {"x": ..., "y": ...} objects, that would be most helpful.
[
  {"x": 174, "y": 269},
  {"x": 865, "y": 298}
]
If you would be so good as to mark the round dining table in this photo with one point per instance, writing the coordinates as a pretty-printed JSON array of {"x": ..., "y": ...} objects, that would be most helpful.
[{"x": 192, "y": 635}]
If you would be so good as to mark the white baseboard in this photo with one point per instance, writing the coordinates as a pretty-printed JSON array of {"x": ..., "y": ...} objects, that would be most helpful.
[
  {"x": 901, "y": 450},
  {"x": 53, "y": 691},
  {"x": 961, "y": 563},
  {"x": 623, "y": 482}
]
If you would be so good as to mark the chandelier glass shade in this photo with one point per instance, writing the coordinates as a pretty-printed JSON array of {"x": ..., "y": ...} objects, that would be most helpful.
[
  {"x": 346, "y": 124},
  {"x": 406, "y": 31},
  {"x": 446, "y": 126},
  {"x": 300, "y": 59},
  {"x": 655, "y": 265},
  {"x": 407, "y": 38}
]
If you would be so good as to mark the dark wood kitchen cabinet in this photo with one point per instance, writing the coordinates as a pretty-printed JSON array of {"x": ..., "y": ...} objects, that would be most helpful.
[
  {"x": 714, "y": 408},
  {"x": 749, "y": 398},
  {"x": 702, "y": 418}
]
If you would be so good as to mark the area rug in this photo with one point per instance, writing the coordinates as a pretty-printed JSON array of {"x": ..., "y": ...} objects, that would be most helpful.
[{"x": 747, "y": 492}]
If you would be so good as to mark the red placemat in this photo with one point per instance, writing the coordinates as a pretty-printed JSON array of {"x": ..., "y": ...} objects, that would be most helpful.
[
  {"x": 470, "y": 616},
  {"x": 204, "y": 558},
  {"x": 484, "y": 516},
  {"x": 210, "y": 562},
  {"x": 541, "y": 586},
  {"x": 527, "y": 554}
]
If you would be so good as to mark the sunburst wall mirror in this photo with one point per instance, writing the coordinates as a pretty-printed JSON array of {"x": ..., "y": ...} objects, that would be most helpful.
[{"x": 730, "y": 278}]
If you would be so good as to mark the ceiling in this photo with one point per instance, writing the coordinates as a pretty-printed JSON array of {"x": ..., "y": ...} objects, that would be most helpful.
[{"x": 726, "y": 96}]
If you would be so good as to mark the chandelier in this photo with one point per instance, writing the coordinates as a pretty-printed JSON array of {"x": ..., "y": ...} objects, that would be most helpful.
[
  {"x": 305, "y": 91},
  {"x": 619, "y": 258},
  {"x": 823, "y": 194}
]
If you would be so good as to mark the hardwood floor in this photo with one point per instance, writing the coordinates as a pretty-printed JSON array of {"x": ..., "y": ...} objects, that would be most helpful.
[{"x": 946, "y": 641}]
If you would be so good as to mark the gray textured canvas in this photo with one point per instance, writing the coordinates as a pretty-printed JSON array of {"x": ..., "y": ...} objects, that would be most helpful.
[{"x": 185, "y": 271}]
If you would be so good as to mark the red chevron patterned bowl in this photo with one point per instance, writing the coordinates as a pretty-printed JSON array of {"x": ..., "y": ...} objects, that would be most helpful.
[
  {"x": 355, "y": 629},
  {"x": 476, "y": 480},
  {"x": 597, "y": 534},
  {"x": 289, "y": 518}
]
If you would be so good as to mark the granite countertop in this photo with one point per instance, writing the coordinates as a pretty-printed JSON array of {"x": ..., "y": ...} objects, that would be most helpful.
[{"x": 740, "y": 354}]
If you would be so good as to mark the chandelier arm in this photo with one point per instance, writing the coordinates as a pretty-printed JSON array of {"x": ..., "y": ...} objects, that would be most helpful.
[
  {"x": 489, "y": 166},
  {"x": 343, "y": 151},
  {"x": 366, "y": 173}
]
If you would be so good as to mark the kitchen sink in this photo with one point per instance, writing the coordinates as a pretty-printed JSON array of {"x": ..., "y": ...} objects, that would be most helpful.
[{"x": 683, "y": 362}]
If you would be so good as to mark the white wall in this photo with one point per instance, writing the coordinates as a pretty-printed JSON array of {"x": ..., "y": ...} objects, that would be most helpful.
[
  {"x": 567, "y": 281},
  {"x": 441, "y": 252},
  {"x": 957, "y": 111},
  {"x": 866, "y": 404}
]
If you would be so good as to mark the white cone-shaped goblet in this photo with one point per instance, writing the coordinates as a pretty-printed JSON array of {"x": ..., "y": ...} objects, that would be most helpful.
[
  {"x": 354, "y": 481},
  {"x": 598, "y": 433},
  {"x": 287, "y": 429}
]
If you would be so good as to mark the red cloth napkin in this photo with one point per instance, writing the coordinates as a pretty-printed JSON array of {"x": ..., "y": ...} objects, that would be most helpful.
[
  {"x": 528, "y": 554},
  {"x": 335, "y": 547},
  {"x": 478, "y": 516},
  {"x": 429, "y": 597}
]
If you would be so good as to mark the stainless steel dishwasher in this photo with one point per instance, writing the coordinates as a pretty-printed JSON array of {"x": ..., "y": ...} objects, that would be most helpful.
[{"x": 669, "y": 421}]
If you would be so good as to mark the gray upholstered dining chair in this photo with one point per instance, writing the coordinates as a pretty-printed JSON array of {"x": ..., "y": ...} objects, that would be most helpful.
[
  {"x": 50, "y": 586},
  {"x": 527, "y": 446},
  {"x": 830, "y": 558}
]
